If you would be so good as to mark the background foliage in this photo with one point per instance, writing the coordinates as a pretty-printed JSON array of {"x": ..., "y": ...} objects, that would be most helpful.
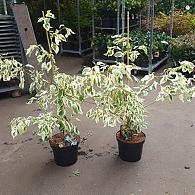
[
  {"x": 165, "y": 5},
  {"x": 183, "y": 48},
  {"x": 183, "y": 23}
]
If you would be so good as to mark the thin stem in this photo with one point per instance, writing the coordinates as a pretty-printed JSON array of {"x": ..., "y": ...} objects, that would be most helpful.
[
  {"x": 128, "y": 38},
  {"x": 47, "y": 36},
  {"x": 50, "y": 51}
]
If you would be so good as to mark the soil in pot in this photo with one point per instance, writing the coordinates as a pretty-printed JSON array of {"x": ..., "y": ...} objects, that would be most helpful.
[
  {"x": 130, "y": 151},
  {"x": 66, "y": 155}
]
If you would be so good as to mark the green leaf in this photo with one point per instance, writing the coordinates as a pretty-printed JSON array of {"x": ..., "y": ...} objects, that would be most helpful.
[
  {"x": 119, "y": 54},
  {"x": 49, "y": 14},
  {"x": 143, "y": 48},
  {"x": 76, "y": 173},
  {"x": 68, "y": 32},
  {"x": 29, "y": 66},
  {"x": 55, "y": 48},
  {"x": 40, "y": 19}
]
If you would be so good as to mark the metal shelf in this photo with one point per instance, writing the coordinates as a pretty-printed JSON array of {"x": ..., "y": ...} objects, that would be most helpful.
[
  {"x": 10, "y": 47},
  {"x": 79, "y": 50},
  {"x": 8, "y": 34},
  {"x": 6, "y": 17},
  {"x": 7, "y": 26},
  {"x": 8, "y": 38},
  {"x": 150, "y": 19},
  {"x": 9, "y": 42},
  {"x": 151, "y": 16},
  {"x": 119, "y": 29},
  {"x": 106, "y": 28},
  {"x": 8, "y": 89},
  {"x": 76, "y": 52},
  {"x": 153, "y": 66},
  {"x": 5, "y": 22},
  {"x": 104, "y": 61}
]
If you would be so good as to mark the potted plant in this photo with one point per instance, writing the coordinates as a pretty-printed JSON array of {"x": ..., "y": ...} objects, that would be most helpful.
[
  {"x": 119, "y": 97},
  {"x": 117, "y": 103},
  {"x": 58, "y": 95}
]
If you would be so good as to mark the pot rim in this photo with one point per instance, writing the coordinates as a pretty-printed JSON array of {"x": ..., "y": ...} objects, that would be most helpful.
[
  {"x": 56, "y": 146},
  {"x": 128, "y": 142}
]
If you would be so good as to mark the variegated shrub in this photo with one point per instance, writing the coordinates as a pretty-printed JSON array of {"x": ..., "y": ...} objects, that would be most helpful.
[
  {"x": 58, "y": 95},
  {"x": 119, "y": 96}
]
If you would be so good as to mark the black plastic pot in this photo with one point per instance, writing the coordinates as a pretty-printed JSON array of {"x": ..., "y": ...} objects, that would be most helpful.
[
  {"x": 142, "y": 60},
  {"x": 65, "y": 156},
  {"x": 108, "y": 18},
  {"x": 107, "y": 22},
  {"x": 130, "y": 152}
]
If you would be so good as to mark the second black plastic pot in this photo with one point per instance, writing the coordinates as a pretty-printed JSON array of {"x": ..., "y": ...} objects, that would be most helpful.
[
  {"x": 130, "y": 152},
  {"x": 65, "y": 156}
]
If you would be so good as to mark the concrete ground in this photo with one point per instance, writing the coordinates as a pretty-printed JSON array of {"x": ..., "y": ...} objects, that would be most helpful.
[{"x": 166, "y": 168}]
